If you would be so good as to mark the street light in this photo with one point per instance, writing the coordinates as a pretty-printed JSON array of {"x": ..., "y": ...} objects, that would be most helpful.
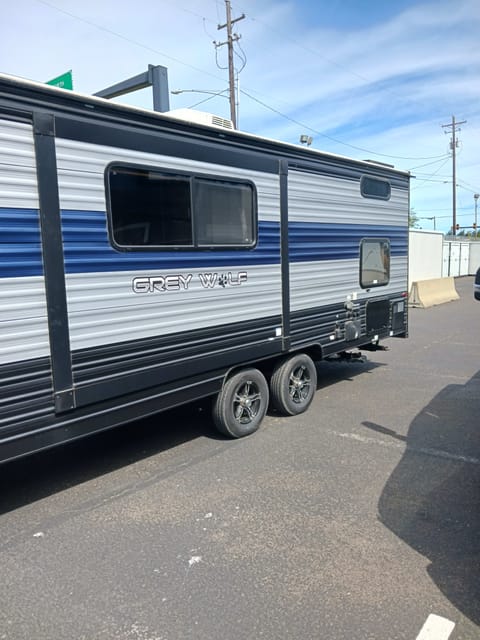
[
  {"x": 213, "y": 93},
  {"x": 434, "y": 221}
]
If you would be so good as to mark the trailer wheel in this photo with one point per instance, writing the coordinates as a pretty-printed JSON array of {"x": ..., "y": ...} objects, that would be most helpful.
[
  {"x": 293, "y": 384},
  {"x": 242, "y": 404}
]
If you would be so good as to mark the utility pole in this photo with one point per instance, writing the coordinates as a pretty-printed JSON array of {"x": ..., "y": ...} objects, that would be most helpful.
[
  {"x": 454, "y": 126},
  {"x": 476, "y": 196},
  {"x": 231, "y": 38}
]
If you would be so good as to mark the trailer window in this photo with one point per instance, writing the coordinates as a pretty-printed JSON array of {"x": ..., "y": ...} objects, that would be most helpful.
[
  {"x": 374, "y": 262},
  {"x": 375, "y": 188},
  {"x": 153, "y": 209},
  {"x": 223, "y": 213},
  {"x": 149, "y": 208}
]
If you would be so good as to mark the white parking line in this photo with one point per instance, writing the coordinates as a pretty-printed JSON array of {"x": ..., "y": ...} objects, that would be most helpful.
[
  {"x": 393, "y": 444},
  {"x": 390, "y": 444},
  {"x": 436, "y": 628}
]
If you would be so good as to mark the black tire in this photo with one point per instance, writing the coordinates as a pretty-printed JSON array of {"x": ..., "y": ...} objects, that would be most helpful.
[
  {"x": 293, "y": 384},
  {"x": 242, "y": 404}
]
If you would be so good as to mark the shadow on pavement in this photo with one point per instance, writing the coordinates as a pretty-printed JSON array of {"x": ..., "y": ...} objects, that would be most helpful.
[
  {"x": 432, "y": 499},
  {"x": 46, "y": 473},
  {"x": 336, "y": 370}
]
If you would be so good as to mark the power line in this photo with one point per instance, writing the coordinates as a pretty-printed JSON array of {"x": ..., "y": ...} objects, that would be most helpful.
[
  {"x": 439, "y": 181},
  {"x": 442, "y": 209},
  {"x": 432, "y": 174},
  {"x": 324, "y": 135},
  {"x": 474, "y": 189},
  {"x": 214, "y": 95},
  {"x": 285, "y": 36},
  {"x": 127, "y": 39},
  {"x": 427, "y": 164}
]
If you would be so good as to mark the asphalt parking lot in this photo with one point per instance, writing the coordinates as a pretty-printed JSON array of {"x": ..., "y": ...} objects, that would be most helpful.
[{"x": 357, "y": 520}]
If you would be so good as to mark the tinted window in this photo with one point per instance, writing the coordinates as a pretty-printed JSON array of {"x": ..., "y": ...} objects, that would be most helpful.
[
  {"x": 154, "y": 208},
  {"x": 375, "y": 188},
  {"x": 224, "y": 213},
  {"x": 374, "y": 262},
  {"x": 149, "y": 208}
]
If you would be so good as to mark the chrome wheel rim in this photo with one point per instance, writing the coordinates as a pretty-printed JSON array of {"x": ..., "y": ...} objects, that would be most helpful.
[
  {"x": 299, "y": 384},
  {"x": 246, "y": 402}
]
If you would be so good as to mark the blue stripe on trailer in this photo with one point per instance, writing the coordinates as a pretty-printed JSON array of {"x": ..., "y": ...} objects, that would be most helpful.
[
  {"x": 20, "y": 243},
  {"x": 87, "y": 248},
  {"x": 309, "y": 242}
]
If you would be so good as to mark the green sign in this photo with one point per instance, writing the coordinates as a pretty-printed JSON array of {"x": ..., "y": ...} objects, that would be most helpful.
[{"x": 64, "y": 81}]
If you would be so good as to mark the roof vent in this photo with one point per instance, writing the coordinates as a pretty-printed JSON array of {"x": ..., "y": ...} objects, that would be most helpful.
[
  {"x": 200, "y": 117},
  {"x": 382, "y": 164}
]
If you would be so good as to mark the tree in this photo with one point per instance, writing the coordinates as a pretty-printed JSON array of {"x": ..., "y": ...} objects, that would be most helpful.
[{"x": 413, "y": 219}]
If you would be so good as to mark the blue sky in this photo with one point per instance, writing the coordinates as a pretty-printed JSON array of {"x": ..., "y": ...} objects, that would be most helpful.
[{"x": 365, "y": 79}]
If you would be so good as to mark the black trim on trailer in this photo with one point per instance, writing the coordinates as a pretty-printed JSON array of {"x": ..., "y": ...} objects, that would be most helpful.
[
  {"x": 16, "y": 115},
  {"x": 117, "y": 358},
  {"x": 174, "y": 371},
  {"x": 284, "y": 253},
  {"x": 65, "y": 428},
  {"x": 122, "y": 368},
  {"x": 163, "y": 141},
  {"x": 25, "y": 392},
  {"x": 53, "y": 263}
]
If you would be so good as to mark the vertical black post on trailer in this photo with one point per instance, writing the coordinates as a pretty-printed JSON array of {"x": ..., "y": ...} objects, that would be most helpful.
[
  {"x": 53, "y": 260},
  {"x": 284, "y": 253}
]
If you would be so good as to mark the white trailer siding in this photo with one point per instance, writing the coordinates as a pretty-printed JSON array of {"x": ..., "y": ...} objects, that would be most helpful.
[
  {"x": 103, "y": 308},
  {"x": 23, "y": 310},
  {"x": 336, "y": 216}
]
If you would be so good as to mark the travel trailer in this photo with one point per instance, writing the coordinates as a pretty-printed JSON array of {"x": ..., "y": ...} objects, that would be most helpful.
[{"x": 148, "y": 260}]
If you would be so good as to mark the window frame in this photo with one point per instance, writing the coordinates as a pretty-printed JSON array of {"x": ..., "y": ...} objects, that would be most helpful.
[
  {"x": 383, "y": 283},
  {"x": 366, "y": 177},
  {"x": 191, "y": 177}
]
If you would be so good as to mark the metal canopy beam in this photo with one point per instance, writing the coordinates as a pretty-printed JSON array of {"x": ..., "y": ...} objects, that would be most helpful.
[{"x": 156, "y": 77}]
